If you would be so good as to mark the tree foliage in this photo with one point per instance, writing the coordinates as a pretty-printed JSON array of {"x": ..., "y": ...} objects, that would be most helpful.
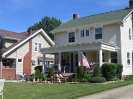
[{"x": 47, "y": 24}]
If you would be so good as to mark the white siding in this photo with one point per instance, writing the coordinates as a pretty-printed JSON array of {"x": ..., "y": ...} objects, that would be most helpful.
[
  {"x": 38, "y": 39},
  {"x": 126, "y": 45},
  {"x": 110, "y": 35}
]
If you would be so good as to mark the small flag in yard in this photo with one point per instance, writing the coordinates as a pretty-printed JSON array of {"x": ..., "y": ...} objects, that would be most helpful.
[{"x": 84, "y": 61}]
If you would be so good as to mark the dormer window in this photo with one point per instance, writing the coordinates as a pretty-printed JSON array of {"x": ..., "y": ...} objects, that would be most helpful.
[
  {"x": 71, "y": 37},
  {"x": 85, "y": 33}
]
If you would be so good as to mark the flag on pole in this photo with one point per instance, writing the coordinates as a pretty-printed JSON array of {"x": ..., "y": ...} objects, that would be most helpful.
[{"x": 84, "y": 61}]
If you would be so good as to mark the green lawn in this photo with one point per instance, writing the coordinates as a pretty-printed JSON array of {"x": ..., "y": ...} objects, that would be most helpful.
[{"x": 55, "y": 91}]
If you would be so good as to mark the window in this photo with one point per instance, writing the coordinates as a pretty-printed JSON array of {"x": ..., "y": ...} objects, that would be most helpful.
[
  {"x": 37, "y": 47},
  {"x": 98, "y": 33},
  {"x": 128, "y": 58},
  {"x": 85, "y": 33},
  {"x": 71, "y": 37},
  {"x": 103, "y": 57},
  {"x": 130, "y": 35},
  {"x": 19, "y": 60},
  {"x": 113, "y": 57}
]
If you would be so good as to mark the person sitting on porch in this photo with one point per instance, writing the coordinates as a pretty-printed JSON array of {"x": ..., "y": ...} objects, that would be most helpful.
[{"x": 60, "y": 74}]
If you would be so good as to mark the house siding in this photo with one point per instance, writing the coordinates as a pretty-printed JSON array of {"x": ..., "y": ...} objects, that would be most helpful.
[
  {"x": 110, "y": 35},
  {"x": 39, "y": 39},
  {"x": 126, "y": 45}
]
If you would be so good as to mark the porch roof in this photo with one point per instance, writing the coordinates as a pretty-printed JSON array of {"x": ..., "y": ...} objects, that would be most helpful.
[{"x": 76, "y": 47}]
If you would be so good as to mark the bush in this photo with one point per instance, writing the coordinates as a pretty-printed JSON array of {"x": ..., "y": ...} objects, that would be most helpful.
[
  {"x": 97, "y": 80},
  {"x": 82, "y": 75},
  {"x": 38, "y": 67},
  {"x": 37, "y": 73},
  {"x": 50, "y": 72},
  {"x": 128, "y": 78},
  {"x": 79, "y": 71},
  {"x": 96, "y": 71},
  {"x": 109, "y": 71},
  {"x": 119, "y": 70}
]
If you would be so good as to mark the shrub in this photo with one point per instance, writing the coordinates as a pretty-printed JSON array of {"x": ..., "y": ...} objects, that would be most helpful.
[
  {"x": 96, "y": 71},
  {"x": 97, "y": 80},
  {"x": 37, "y": 73},
  {"x": 109, "y": 71},
  {"x": 50, "y": 72},
  {"x": 119, "y": 70},
  {"x": 43, "y": 76},
  {"x": 38, "y": 67},
  {"x": 79, "y": 71},
  {"x": 128, "y": 78}
]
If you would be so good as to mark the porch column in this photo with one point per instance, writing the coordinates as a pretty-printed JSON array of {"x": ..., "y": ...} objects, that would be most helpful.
[
  {"x": 43, "y": 63},
  {"x": 100, "y": 58},
  {"x": 59, "y": 65},
  {"x": 79, "y": 58}
]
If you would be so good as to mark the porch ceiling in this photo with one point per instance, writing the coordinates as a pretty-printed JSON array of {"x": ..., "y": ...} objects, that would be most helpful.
[{"x": 83, "y": 46}]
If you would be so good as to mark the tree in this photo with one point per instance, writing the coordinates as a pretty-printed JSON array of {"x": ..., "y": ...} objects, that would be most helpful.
[{"x": 47, "y": 24}]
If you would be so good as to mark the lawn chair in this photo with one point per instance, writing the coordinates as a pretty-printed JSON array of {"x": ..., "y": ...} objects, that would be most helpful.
[{"x": 1, "y": 87}]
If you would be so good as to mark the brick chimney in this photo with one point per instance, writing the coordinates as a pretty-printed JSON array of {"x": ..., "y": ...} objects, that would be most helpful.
[
  {"x": 29, "y": 31},
  {"x": 75, "y": 16},
  {"x": 130, "y": 3}
]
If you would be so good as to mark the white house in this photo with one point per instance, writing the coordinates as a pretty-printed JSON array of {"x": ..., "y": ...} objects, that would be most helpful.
[{"x": 104, "y": 37}]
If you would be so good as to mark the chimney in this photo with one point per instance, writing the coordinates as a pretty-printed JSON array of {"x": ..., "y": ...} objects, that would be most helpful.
[
  {"x": 75, "y": 16},
  {"x": 29, "y": 31},
  {"x": 130, "y": 3}
]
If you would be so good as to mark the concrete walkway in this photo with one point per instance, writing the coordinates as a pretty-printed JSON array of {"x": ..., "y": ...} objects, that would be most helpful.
[{"x": 125, "y": 92}]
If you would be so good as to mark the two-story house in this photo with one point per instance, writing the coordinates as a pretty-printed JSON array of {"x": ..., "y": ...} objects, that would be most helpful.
[
  {"x": 104, "y": 37},
  {"x": 20, "y": 52}
]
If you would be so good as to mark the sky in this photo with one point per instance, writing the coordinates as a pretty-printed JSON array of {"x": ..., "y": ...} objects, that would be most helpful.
[{"x": 19, "y": 15}]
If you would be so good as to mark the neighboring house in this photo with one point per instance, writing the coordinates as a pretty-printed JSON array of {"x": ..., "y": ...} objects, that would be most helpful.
[
  {"x": 104, "y": 37},
  {"x": 20, "y": 52}
]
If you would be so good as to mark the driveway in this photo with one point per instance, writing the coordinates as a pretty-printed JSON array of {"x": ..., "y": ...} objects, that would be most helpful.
[{"x": 125, "y": 92}]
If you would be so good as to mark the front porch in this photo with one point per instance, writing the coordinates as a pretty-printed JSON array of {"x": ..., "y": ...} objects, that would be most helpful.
[{"x": 70, "y": 56}]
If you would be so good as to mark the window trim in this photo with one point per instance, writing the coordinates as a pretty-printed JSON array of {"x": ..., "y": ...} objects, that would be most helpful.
[
  {"x": 128, "y": 58},
  {"x": 38, "y": 49},
  {"x": 95, "y": 32},
  {"x": 68, "y": 37},
  {"x": 84, "y": 33},
  {"x": 129, "y": 34},
  {"x": 21, "y": 60}
]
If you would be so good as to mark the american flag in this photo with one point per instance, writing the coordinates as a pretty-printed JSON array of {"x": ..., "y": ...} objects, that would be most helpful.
[{"x": 84, "y": 61}]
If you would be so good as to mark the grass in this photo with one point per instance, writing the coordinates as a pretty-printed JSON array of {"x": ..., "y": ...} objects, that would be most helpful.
[{"x": 55, "y": 91}]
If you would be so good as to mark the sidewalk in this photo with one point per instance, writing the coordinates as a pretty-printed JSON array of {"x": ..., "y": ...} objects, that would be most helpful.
[{"x": 117, "y": 93}]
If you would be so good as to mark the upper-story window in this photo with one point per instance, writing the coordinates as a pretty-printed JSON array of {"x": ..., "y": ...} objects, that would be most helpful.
[
  {"x": 130, "y": 34},
  {"x": 71, "y": 37},
  {"x": 37, "y": 46},
  {"x": 98, "y": 33},
  {"x": 128, "y": 58},
  {"x": 85, "y": 33}
]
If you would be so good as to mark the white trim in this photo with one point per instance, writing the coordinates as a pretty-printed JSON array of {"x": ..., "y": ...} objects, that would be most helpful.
[
  {"x": 21, "y": 60},
  {"x": 84, "y": 29},
  {"x": 41, "y": 30},
  {"x": 68, "y": 36},
  {"x": 95, "y": 34},
  {"x": 127, "y": 16}
]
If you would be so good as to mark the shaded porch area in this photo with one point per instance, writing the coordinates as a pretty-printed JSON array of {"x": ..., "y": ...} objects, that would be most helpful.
[{"x": 68, "y": 58}]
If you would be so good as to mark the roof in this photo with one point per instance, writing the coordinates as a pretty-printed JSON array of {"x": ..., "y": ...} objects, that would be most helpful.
[
  {"x": 113, "y": 16},
  {"x": 22, "y": 38}
]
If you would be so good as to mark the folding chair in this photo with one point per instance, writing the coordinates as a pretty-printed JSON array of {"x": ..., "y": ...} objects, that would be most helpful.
[{"x": 1, "y": 87}]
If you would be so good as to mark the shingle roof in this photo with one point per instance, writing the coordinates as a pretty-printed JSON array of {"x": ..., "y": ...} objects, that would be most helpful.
[
  {"x": 14, "y": 35},
  {"x": 117, "y": 15}
]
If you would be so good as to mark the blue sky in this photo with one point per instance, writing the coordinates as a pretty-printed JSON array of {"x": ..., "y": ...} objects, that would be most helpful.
[{"x": 18, "y": 15}]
